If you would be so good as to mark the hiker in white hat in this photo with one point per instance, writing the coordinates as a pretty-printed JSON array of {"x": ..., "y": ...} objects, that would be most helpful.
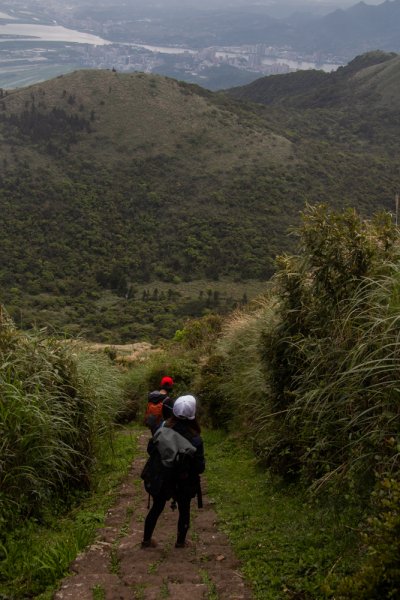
[
  {"x": 174, "y": 467},
  {"x": 185, "y": 407}
]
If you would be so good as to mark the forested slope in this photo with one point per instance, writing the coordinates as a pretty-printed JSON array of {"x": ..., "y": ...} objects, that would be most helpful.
[{"x": 113, "y": 184}]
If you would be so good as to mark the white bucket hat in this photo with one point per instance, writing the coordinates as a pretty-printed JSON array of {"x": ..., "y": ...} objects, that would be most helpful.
[{"x": 185, "y": 407}]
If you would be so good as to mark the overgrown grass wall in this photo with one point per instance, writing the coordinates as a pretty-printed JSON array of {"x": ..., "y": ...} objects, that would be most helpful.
[
  {"x": 231, "y": 384},
  {"x": 311, "y": 378},
  {"x": 313, "y": 369},
  {"x": 57, "y": 406},
  {"x": 332, "y": 361}
]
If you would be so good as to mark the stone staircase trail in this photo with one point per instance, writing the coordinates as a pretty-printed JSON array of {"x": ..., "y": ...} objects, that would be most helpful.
[{"x": 115, "y": 567}]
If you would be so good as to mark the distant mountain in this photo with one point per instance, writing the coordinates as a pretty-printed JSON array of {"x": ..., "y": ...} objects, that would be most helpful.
[
  {"x": 359, "y": 29},
  {"x": 187, "y": 26},
  {"x": 141, "y": 163},
  {"x": 111, "y": 182},
  {"x": 342, "y": 32}
]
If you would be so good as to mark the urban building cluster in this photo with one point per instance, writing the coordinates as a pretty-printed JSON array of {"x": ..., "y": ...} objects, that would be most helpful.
[
  {"x": 130, "y": 57},
  {"x": 259, "y": 58}
]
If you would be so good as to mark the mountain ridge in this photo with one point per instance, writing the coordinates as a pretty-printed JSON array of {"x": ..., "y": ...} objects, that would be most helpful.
[{"x": 367, "y": 74}]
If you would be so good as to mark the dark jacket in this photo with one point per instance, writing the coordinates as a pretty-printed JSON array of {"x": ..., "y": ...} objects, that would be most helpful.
[
  {"x": 189, "y": 486},
  {"x": 156, "y": 397},
  {"x": 167, "y": 407}
]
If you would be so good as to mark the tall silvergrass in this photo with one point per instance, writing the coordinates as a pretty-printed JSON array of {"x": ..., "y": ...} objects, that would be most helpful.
[
  {"x": 234, "y": 383},
  {"x": 331, "y": 360},
  {"x": 103, "y": 385},
  {"x": 312, "y": 375},
  {"x": 55, "y": 405},
  {"x": 346, "y": 409},
  {"x": 242, "y": 383}
]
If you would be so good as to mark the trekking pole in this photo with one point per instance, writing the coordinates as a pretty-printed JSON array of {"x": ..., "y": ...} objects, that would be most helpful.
[{"x": 199, "y": 495}]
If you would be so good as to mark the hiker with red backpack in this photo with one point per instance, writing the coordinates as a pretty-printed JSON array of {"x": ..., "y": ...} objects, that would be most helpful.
[
  {"x": 173, "y": 468},
  {"x": 159, "y": 405}
]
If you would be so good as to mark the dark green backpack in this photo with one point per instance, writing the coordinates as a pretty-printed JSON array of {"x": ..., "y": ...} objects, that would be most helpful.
[{"x": 154, "y": 473}]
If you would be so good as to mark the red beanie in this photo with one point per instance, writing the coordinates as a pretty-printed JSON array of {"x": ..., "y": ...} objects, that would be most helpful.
[{"x": 166, "y": 383}]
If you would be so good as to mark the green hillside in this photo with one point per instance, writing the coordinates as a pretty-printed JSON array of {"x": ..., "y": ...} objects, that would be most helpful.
[
  {"x": 369, "y": 81},
  {"x": 116, "y": 117},
  {"x": 115, "y": 186},
  {"x": 357, "y": 103}
]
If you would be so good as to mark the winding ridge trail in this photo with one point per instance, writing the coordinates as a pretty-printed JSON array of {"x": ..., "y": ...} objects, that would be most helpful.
[{"x": 116, "y": 568}]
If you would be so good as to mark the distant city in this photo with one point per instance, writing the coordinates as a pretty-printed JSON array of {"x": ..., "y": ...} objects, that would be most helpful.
[
  {"x": 17, "y": 55},
  {"x": 259, "y": 58}
]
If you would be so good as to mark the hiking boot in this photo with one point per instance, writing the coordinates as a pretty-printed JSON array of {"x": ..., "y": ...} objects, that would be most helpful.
[
  {"x": 148, "y": 544},
  {"x": 184, "y": 544}
]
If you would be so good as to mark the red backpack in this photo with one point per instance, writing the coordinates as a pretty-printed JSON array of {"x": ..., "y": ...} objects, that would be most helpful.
[{"x": 153, "y": 415}]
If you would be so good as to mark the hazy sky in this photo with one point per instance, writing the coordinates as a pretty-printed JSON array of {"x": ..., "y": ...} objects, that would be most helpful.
[
  {"x": 226, "y": 3},
  {"x": 276, "y": 6}
]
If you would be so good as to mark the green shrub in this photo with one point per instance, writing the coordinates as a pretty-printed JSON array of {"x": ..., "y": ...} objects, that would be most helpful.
[
  {"x": 181, "y": 360},
  {"x": 216, "y": 408},
  {"x": 199, "y": 333},
  {"x": 378, "y": 577}
]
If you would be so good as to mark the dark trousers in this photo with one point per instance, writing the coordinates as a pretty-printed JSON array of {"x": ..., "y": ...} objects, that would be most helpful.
[{"x": 159, "y": 502}]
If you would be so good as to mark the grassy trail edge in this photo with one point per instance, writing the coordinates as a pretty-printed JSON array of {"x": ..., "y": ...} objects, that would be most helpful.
[
  {"x": 37, "y": 556},
  {"x": 290, "y": 545}
]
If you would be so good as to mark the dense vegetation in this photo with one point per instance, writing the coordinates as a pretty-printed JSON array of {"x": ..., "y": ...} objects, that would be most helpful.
[
  {"x": 306, "y": 378},
  {"x": 324, "y": 372},
  {"x": 146, "y": 181},
  {"x": 147, "y": 185},
  {"x": 58, "y": 408},
  {"x": 55, "y": 412},
  {"x": 326, "y": 344},
  {"x": 309, "y": 375},
  {"x": 369, "y": 77}
]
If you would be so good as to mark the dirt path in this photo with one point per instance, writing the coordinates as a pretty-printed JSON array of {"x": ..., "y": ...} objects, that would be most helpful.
[{"x": 116, "y": 568}]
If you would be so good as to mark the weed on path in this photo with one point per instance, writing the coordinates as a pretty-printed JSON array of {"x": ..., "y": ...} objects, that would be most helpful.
[{"x": 115, "y": 567}]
